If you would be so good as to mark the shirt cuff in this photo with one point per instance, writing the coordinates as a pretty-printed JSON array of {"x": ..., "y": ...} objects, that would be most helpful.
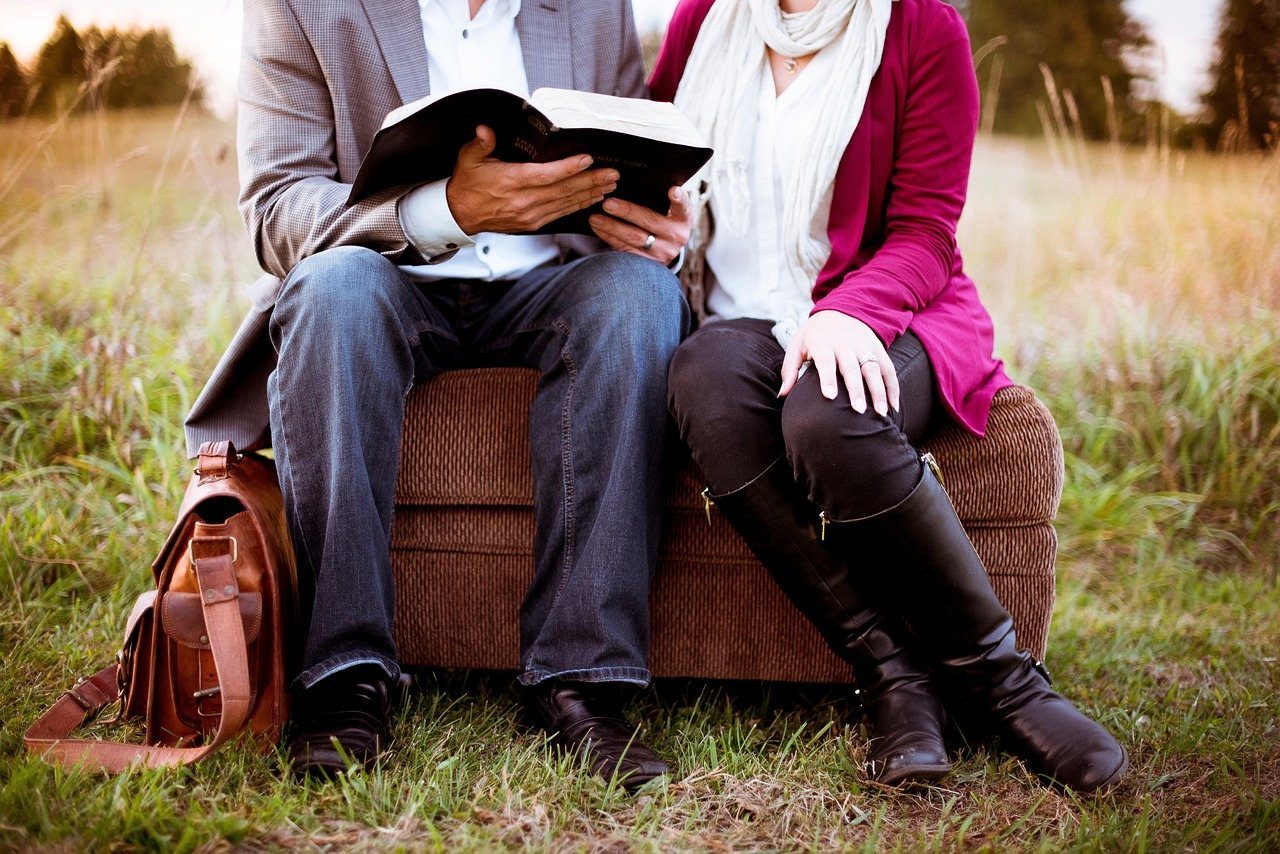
[{"x": 429, "y": 224}]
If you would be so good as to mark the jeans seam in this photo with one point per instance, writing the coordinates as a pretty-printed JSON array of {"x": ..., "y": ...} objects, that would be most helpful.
[
  {"x": 293, "y": 493},
  {"x": 566, "y": 466}
]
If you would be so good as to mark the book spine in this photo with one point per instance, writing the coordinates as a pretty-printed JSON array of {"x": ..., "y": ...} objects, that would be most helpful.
[{"x": 533, "y": 135}]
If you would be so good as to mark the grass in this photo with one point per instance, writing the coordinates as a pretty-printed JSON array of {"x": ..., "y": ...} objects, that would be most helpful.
[{"x": 1138, "y": 291}]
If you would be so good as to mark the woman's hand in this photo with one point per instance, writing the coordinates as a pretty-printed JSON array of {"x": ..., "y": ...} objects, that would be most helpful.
[
  {"x": 838, "y": 343},
  {"x": 629, "y": 227}
]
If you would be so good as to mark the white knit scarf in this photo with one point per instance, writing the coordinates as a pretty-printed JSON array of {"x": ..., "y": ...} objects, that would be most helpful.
[{"x": 718, "y": 94}]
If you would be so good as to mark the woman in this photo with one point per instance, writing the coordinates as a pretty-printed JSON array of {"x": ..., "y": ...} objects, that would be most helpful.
[{"x": 825, "y": 234}]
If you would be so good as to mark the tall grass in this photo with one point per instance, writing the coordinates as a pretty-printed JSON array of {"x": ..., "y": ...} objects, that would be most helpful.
[{"x": 1137, "y": 292}]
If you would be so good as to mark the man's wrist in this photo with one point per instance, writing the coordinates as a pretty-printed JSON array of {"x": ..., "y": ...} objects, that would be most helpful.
[{"x": 428, "y": 222}]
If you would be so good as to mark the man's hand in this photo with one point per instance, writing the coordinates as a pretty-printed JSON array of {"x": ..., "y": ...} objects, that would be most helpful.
[
  {"x": 629, "y": 227},
  {"x": 486, "y": 194},
  {"x": 845, "y": 346}
]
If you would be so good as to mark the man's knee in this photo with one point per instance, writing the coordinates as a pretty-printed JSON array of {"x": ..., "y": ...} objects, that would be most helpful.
[
  {"x": 338, "y": 282},
  {"x": 634, "y": 294}
]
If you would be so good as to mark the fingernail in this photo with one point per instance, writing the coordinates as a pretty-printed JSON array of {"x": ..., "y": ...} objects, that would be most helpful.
[
  {"x": 859, "y": 407},
  {"x": 828, "y": 392},
  {"x": 596, "y": 219},
  {"x": 882, "y": 409},
  {"x": 586, "y": 161},
  {"x": 678, "y": 194},
  {"x": 612, "y": 206},
  {"x": 612, "y": 175}
]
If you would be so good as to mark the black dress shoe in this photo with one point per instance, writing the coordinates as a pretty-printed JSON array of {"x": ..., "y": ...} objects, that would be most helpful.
[
  {"x": 340, "y": 723},
  {"x": 586, "y": 720}
]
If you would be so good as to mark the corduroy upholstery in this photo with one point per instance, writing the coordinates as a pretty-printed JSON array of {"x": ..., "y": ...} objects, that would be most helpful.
[{"x": 463, "y": 534}]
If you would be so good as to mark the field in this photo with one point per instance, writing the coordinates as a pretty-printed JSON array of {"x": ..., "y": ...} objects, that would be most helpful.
[{"x": 1137, "y": 290}]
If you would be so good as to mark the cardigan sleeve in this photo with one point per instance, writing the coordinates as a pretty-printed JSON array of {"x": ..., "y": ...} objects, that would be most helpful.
[
  {"x": 927, "y": 186},
  {"x": 677, "y": 44}
]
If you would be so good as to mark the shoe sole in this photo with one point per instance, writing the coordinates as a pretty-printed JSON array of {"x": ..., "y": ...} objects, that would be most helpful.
[
  {"x": 916, "y": 775},
  {"x": 1112, "y": 779}
]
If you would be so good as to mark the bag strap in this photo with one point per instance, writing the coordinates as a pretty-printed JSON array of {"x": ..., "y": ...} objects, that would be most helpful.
[{"x": 214, "y": 561}]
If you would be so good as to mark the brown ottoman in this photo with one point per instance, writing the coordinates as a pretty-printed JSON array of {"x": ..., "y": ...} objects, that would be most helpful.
[{"x": 463, "y": 534}]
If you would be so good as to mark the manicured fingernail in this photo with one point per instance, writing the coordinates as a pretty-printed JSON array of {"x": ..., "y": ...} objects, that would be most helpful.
[
  {"x": 828, "y": 392},
  {"x": 882, "y": 409},
  {"x": 612, "y": 206},
  {"x": 859, "y": 406}
]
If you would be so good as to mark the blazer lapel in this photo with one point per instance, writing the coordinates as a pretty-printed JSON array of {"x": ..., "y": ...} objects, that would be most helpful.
[
  {"x": 398, "y": 27},
  {"x": 547, "y": 43}
]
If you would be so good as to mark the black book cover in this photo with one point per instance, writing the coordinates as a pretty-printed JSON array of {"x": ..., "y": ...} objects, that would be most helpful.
[{"x": 423, "y": 146}]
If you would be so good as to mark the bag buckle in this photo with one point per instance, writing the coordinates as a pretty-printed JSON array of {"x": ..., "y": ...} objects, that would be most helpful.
[
  {"x": 78, "y": 697},
  {"x": 201, "y": 696},
  {"x": 235, "y": 547}
]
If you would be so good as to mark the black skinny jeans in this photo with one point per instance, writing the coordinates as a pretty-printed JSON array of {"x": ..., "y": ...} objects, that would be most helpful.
[{"x": 723, "y": 392}]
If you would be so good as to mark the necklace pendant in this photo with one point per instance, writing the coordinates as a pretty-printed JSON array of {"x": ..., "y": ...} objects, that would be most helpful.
[{"x": 792, "y": 65}]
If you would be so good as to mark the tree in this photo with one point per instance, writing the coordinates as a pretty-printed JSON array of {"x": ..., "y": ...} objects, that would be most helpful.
[
  {"x": 1243, "y": 104},
  {"x": 1081, "y": 43},
  {"x": 140, "y": 68},
  {"x": 59, "y": 70},
  {"x": 14, "y": 90},
  {"x": 110, "y": 69}
]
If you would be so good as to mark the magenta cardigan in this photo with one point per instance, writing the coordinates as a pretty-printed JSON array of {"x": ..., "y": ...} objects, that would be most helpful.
[{"x": 899, "y": 192}]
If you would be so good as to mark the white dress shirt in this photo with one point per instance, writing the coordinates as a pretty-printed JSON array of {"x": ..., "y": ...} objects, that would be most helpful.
[
  {"x": 467, "y": 53},
  {"x": 750, "y": 276}
]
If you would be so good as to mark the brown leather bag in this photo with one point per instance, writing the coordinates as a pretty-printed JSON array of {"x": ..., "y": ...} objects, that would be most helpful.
[{"x": 207, "y": 654}]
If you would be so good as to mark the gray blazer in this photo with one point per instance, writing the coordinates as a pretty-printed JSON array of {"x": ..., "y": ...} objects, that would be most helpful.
[{"x": 317, "y": 77}]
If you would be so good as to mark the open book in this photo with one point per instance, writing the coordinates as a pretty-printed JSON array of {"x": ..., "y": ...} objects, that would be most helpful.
[{"x": 651, "y": 144}]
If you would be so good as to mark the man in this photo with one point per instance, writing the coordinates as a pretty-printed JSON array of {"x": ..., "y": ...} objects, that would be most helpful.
[{"x": 362, "y": 302}]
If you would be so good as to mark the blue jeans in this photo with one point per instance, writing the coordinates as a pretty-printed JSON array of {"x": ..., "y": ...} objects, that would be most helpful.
[{"x": 353, "y": 336}]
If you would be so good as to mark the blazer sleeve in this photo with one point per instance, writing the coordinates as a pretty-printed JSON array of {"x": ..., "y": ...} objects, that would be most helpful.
[
  {"x": 290, "y": 197},
  {"x": 927, "y": 188}
]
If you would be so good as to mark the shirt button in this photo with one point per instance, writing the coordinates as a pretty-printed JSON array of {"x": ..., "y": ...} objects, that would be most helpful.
[
  {"x": 451, "y": 246},
  {"x": 464, "y": 33},
  {"x": 484, "y": 249}
]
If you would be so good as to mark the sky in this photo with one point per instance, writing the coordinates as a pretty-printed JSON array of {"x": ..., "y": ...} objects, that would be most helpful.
[{"x": 209, "y": 32}]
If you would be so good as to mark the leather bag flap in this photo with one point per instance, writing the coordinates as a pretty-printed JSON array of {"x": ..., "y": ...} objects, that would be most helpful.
[{"x": 182, "y": 615}]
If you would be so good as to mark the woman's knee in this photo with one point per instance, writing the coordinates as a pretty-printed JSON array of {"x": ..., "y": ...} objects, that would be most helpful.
[
  {"x": 708, "y": 381},
  {"x": 843, "y": 456}
]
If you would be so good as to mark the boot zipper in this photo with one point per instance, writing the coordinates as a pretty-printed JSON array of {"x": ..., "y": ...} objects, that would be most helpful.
[
  {"x": 706, "y": 503},
  {"x": 822, "y": 519},
  {"x": 932, "y": 462}
]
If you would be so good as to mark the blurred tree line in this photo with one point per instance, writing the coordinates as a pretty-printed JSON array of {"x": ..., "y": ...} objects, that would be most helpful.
[
  {"x": 97, "y": 69},
  {"x": 1242, "y": 105},
  {"x": 1088, "y": 67}
]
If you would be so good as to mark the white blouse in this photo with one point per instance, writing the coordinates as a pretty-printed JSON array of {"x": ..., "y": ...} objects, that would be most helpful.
[{"x": 749, "y": 274}]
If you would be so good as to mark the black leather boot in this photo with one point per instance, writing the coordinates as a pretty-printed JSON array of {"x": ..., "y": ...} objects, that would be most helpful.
[
  {"x": 339, "y": 723},
  {"x": 904, "y": 716},
  {"x": 969, "y": 639},
  {"x": 586, "y": 719}
]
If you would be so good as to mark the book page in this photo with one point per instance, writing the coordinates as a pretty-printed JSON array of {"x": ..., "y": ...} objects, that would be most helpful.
[{"x": 656, "y": 120}]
